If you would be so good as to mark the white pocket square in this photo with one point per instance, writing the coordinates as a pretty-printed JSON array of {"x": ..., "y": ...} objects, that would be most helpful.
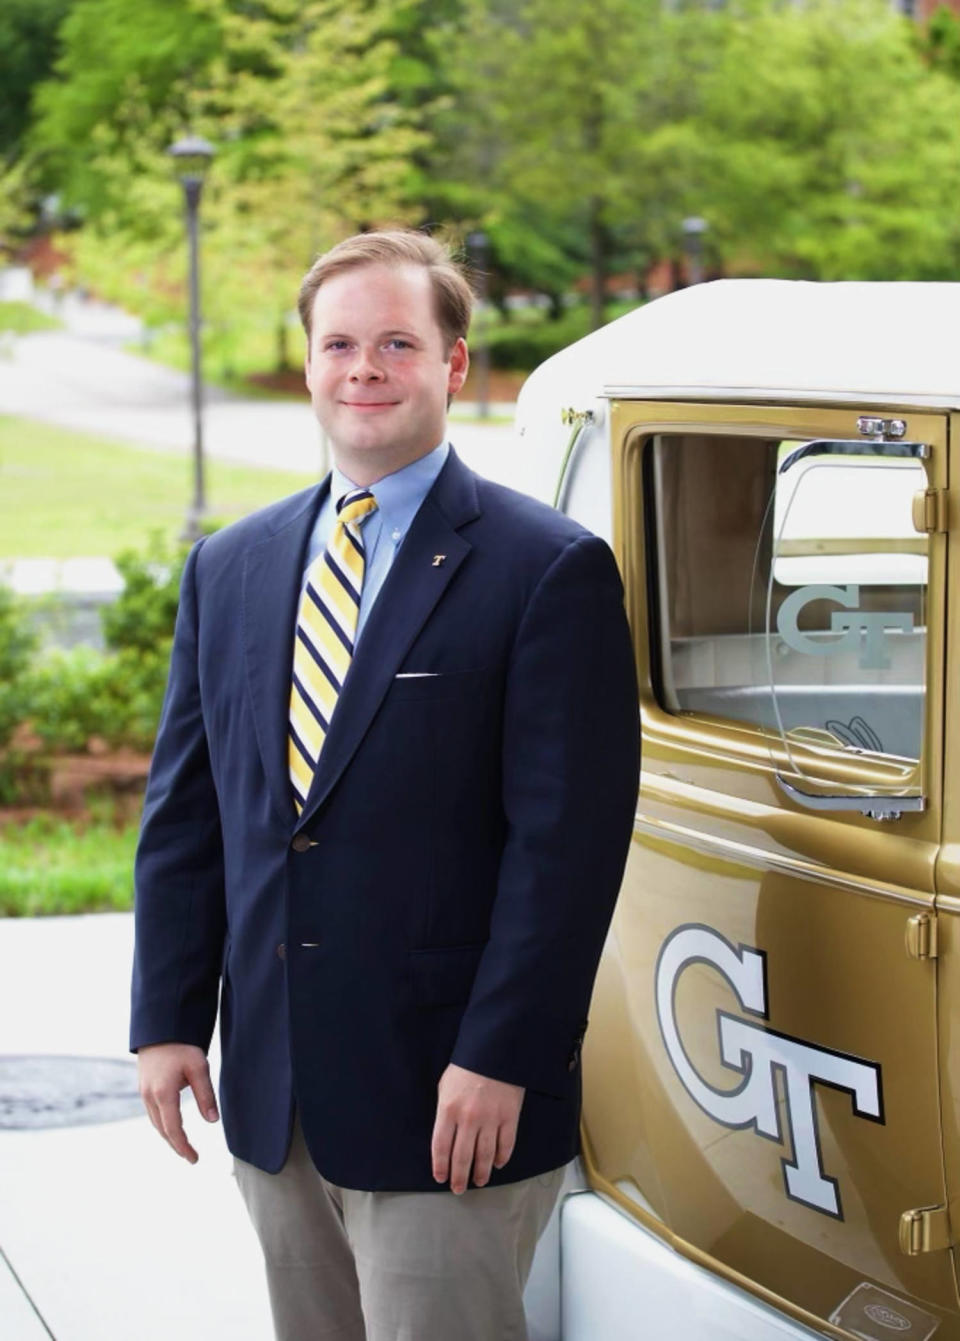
[{"x": 416, "y": 675}]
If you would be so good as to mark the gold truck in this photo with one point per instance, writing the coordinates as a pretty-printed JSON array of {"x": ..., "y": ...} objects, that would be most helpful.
[{"x": 771, "y": 1131}]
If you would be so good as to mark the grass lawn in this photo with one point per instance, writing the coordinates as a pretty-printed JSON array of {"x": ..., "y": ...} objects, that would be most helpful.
[
  {"x": 48, "y": 866},
  {"x": 21, "y": 319},
  {"x": 64, "y": 494}
]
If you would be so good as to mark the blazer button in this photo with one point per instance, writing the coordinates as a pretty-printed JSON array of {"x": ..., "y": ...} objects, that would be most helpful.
[
  {"x": 301, "y": 843},
  {"x": 281, "y": 951}
]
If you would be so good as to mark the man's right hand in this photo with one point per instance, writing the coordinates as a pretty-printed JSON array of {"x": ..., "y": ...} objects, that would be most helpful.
[{"x": 164, "y": 1070}]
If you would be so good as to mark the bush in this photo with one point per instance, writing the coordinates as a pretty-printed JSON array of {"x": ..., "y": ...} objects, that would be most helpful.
[
  {"x": 143, "y": 615},
  {"x": 17, "y": 643},
  {"x": 522, "y": 344},
  {"x": 116, "y": 697}
]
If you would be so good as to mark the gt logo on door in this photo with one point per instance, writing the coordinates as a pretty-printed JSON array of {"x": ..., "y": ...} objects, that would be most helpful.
[{"x": 758, "y": 1055}]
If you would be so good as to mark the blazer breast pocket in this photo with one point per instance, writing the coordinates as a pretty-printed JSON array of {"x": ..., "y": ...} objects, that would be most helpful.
[{"x": 414, "y": 684}]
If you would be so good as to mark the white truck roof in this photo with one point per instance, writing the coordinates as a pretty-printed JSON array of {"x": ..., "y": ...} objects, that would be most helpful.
[
  {"x": 769, "y": 338},
  {"x": 755, "y": 340}
]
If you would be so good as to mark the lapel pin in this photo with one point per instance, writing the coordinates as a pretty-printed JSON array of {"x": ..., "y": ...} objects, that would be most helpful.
[{"x": 438, "y": 560}]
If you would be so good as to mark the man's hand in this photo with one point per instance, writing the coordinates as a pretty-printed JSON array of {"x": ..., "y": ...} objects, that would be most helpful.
[
  {"x": 476, "y": 1126},
  {"x": 165, "y": 1069}
]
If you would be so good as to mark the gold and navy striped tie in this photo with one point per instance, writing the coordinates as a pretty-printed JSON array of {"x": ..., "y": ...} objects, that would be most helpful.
[{"x": 326, "y": 632}]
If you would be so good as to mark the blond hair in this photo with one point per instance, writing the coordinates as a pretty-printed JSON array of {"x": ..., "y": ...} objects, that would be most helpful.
[{"x": 452, "y": 294}]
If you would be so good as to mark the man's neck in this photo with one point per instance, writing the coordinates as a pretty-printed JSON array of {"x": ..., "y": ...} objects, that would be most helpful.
[{"x": 365, "y": 470}]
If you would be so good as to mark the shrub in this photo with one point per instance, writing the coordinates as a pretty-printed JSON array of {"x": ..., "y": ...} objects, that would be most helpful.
[
  {"x": 144, "y": 613},
  {"x": 17, "y": 643}
]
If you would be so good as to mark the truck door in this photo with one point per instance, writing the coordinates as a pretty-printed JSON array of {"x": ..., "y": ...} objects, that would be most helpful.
[{"x": 761, "y": 1073}]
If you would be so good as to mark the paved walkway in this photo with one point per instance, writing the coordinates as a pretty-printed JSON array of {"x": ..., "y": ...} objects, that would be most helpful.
[{"x": 106, "y": 1235}]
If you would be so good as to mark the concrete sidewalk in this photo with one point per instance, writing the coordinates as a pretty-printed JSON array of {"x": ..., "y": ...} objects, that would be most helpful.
[{"x": 106, "y": 1235}]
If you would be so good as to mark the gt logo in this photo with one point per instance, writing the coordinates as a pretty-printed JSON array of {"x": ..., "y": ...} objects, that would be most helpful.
[{"x": 758, "y": 1054}]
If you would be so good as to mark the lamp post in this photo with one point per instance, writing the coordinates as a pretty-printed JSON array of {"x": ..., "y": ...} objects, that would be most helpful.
[
  {"x": 477, "y": 244},
  {"x": 192, "y": 155},
  {"x": 693, "y": 231}
]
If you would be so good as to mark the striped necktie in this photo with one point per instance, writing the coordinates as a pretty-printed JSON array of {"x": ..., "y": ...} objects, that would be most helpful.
[{"x": 326, "y": 632}]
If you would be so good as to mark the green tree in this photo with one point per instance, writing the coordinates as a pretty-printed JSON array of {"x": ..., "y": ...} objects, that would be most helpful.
[
  {"x": 823, "y": 146},
  {"x": 311, "y": 141},
  {"x": 28, "y": 46}
]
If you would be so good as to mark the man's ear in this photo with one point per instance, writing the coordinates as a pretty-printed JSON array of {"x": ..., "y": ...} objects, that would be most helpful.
[
  {"x": 306, "y": 369},
  {"x": 459, "y": 363}
]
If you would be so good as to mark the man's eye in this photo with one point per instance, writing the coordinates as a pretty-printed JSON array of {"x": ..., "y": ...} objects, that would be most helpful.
[
  {"x": 335, "y": 344},
  {"x": 399, "y": 344}
]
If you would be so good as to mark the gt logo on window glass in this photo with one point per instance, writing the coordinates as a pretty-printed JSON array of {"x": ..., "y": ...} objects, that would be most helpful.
[{"x": 758, "y": 1055}]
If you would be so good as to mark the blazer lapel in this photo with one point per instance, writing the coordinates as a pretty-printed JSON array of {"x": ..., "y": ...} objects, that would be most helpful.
[
  {"x": 271, "y": 593},
  {"x": 412, "y": 588}
]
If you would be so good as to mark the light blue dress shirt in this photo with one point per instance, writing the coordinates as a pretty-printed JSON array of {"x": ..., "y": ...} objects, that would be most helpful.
[{"x": 398, "y": 500}]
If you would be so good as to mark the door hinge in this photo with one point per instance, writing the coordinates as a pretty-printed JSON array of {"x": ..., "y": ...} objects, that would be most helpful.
[
  {"x": 926, "y": 1230},
  {"x": 930, "y": 510},
  {"x": 921, "y": 936}
]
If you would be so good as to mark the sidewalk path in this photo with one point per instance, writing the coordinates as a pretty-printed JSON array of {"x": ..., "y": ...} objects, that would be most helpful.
[{"x": 112, "y": 1236}]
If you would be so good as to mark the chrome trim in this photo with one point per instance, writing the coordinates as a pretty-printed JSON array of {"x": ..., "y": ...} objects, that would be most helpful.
[
  {"x": 874, "y": 807},
  {"x": 794, "y": 397},
  {"x": 853, "y": 447}
]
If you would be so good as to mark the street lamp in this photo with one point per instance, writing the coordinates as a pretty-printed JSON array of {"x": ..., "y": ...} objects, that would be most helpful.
[
  {"x": 193, "y": 155},
  {"x": 693, "y": 231},
  {"x": 477, "y": 245}
]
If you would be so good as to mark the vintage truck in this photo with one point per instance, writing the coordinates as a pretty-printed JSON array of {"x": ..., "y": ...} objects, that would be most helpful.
[{"x": 771, "y": 1125}]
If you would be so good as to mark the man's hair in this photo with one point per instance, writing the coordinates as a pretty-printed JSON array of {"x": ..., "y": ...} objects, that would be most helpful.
[{"x": 452, "y": 294}]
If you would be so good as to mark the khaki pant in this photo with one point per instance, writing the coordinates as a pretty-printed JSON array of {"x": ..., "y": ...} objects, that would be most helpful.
[{"x": 394, "y": 1266}]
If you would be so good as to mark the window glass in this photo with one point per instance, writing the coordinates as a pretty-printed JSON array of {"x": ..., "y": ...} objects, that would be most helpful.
[{"x": 790, "y": 588}]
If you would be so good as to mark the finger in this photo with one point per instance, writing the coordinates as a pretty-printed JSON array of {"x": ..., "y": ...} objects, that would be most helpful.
[
  {"x": 172, "y": 1125},
  {"x": 483, "y": 1155},
  {"x": 444, "y": 1129},
  {"x": 506, "y": 1140},
  {"x": 203, "y": 1091},
  {"x": 153, "y": 1112},
  {"x": 461, "y": 1159}
]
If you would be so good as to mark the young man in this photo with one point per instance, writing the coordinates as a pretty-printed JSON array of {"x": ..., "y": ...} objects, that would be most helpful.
[{"x": 389, "y": 807}]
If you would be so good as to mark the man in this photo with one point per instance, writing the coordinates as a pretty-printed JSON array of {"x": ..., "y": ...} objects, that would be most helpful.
[{"x": 389, "y": 807}]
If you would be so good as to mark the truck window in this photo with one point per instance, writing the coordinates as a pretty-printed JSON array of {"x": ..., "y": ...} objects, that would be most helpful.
[{"x": 788, "y": 588}]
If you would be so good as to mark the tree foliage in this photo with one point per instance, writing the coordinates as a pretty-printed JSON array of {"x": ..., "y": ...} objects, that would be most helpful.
[
  {"x": 819, "y": 140},
  {"x": 312, "y": 142}
]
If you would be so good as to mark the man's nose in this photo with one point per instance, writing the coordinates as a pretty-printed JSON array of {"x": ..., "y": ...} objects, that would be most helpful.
[{"x": 366, "y": 367}]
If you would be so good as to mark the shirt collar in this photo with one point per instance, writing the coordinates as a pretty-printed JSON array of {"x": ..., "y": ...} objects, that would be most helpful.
[{"x": 400, "y": 494}]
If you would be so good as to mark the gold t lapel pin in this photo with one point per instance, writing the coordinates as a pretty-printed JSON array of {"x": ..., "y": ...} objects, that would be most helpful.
[{"x": 438, "y": 560}]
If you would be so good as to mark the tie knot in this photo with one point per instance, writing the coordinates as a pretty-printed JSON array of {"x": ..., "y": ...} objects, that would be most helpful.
[{"x": 355, "y": 505}]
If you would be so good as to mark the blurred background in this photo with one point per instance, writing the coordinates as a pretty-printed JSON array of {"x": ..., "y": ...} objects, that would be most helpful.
[{"x": 168, "y": 171}]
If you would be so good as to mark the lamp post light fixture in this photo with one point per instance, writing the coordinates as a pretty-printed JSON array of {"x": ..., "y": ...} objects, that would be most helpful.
[
  {"x": 477, "y": 245},
  {"x": 192, "y": 155},
  {"x": 693, "y": 230}
]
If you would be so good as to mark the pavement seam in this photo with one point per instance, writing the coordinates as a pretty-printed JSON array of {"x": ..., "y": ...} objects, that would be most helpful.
[{"x": 26, "y": 1294}]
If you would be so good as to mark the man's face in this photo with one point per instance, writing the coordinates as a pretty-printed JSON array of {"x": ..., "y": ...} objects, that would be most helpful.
[{"x": 378, "y": 373}]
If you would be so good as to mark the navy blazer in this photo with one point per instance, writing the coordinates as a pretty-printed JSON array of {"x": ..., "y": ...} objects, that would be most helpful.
[{"x": 446, "y": 892}]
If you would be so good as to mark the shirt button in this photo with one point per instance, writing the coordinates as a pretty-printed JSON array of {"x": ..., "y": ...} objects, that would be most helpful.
[{"x": 396, "y": 534}]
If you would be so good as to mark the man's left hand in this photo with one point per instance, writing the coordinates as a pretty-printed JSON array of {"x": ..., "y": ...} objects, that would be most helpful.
[{"x": 476, "y": 1126}]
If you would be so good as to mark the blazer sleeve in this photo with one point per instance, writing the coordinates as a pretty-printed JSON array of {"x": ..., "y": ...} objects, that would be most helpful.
[
  {"x": 570, "y": 777},
  {"x": 180, "y": 916}
]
